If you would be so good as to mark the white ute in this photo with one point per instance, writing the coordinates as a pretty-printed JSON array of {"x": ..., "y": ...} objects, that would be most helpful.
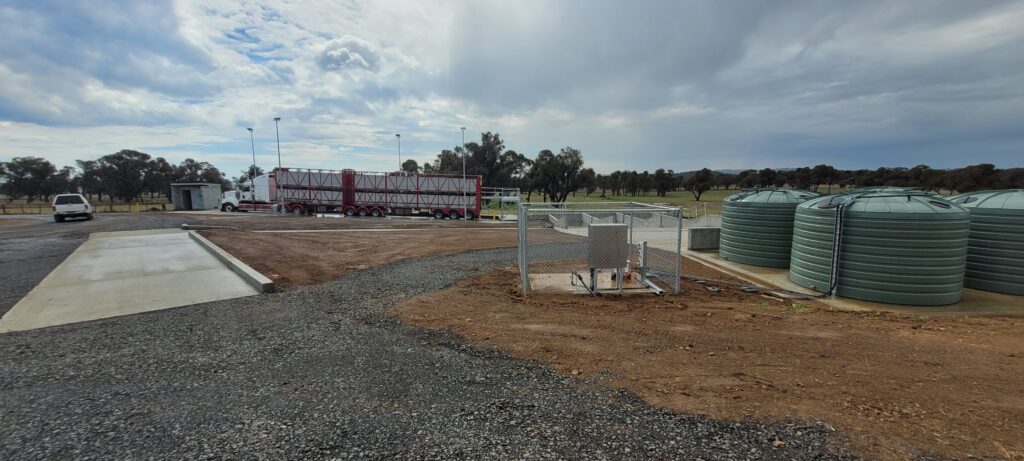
[{"x": 71, "y": 206}]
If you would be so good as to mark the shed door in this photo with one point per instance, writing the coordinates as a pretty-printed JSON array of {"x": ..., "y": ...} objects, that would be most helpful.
[{"x": 186, "y": 199}]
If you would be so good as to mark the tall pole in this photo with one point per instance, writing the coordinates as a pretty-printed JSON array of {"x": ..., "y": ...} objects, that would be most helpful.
[
  {"x": 277, "y": 131},
  {"x": 463, "y": 172},
  {"x": 252, "y": 171},
  {"x": 277, "y": 178},
  {"x": 398, "y": 136}
]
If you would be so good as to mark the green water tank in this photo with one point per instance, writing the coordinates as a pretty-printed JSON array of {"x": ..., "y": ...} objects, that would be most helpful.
[
  {"x": 897, "y": 247},
  {"x": 995, "y": 250},
  {"x": 757, "y": 226}
]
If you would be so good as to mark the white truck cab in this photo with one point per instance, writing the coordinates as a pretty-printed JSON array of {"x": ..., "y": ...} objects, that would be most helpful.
[
  {"x": 233, "y": 200},
  {"x": 71, "y": 206}
]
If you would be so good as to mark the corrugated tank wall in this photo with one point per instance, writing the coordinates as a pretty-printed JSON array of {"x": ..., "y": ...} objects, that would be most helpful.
[
  {"x": 995, "y": 251},
  {"x": 898, "y": 248},
  {"x": 757, "y": 226}
]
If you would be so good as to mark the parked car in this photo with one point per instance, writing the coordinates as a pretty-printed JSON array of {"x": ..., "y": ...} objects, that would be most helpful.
[{"x": 71, "y": 206}]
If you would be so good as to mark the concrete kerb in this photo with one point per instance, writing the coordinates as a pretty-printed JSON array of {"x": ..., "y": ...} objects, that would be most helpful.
[
  {"x": 256, "y": 279},
  {"x": 206, "y": 227}
]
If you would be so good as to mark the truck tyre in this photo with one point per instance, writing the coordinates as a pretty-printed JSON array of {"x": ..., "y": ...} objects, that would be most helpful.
[
  {"x": 376, "y": 213},
  {"x": 88, "y": 217},
  {"x": 58, "y": 218},
  {"x": 438, "y": 214},
  {"x": 297, "y": 210},
  {"x": 453, "y": 214},
  {"x": 470, "y": 215},
  {"x": 228, "y": 207},
  {"x": 362, "y": 212},
  {"x": 350, "y": 211}
]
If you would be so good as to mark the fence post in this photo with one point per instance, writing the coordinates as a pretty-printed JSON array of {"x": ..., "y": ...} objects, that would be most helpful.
[
  {"x": 524, "y": 260},
  {"x": 679, "y": 251},
  {"x": 630, "y": 230}
]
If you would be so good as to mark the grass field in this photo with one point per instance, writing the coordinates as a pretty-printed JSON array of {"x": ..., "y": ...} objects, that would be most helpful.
[
  {"x": 21, "y": 206},
  {"x": 713, "y": 199},
  {"x": 44, "y": 208}
]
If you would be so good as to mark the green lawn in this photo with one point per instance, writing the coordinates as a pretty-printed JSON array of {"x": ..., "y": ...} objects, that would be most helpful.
[
  {"x": 713, "y": 198},
  {"x": 144, "y": 203}
]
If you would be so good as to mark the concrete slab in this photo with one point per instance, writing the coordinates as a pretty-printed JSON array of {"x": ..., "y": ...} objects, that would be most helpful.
[
  {"x": 974, "y": 302},
  {"x": 121, "y": 273},
  {"x": 562, "y": 283}
]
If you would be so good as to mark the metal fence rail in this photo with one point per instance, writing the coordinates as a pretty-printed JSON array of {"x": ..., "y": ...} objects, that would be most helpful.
[{"x": 556, "y": 248}]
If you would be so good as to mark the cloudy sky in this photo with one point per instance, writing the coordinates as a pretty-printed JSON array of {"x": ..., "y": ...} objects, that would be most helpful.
[{"x": 633, "y": 84}]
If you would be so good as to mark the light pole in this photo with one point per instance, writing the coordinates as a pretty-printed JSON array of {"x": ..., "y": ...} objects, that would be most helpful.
[
  {"x": 252, "y": 171},
  {"x": 398, "y": 136},
  {"x": 277, "y": 178},
  {"x": 277, "y": 131},
  {"x": 463, "y": 172}
]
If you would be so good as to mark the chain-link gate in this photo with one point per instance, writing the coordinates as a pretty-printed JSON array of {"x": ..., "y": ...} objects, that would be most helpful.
[{"x": 599, "y": 247}]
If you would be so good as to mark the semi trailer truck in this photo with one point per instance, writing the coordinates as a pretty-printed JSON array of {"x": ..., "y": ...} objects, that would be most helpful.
[{"x": 354, "y": 193}]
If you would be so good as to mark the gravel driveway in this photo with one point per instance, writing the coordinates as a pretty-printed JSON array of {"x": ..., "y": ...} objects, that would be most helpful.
[{"x": 323, "y": 372}]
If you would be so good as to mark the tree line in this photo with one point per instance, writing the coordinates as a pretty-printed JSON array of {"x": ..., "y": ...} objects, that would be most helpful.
[
  {"x": 557, "y": 176},
  {"x": 552, "y": 175},
  {"x": 825, "y": 178},
  {"x": 129, "y": 174},
  {"x": 126, "y": 175},
  {"x": 820, "y": 178}
]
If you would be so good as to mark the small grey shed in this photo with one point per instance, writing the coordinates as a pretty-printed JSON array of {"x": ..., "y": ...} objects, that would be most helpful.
[{"x": 195, "y": 196}]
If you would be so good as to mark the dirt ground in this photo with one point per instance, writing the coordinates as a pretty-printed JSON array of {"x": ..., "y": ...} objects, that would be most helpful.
[
  {"x": 17, "y": 222},
  {"x": 273, "y": 221},
  {"x": 309, "y": 258},
  {"x": 893, "y": 386}
]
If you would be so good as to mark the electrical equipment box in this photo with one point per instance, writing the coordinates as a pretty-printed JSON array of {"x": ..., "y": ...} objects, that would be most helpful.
[{"x": 607, "y": 246}]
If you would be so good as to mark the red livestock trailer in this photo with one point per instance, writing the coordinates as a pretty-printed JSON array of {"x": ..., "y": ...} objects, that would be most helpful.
[{"x": 357, "y": 193}]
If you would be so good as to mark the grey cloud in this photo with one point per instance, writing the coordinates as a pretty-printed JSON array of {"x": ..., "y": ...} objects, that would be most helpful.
[
  {"x": 595, "y": 54},
  {"x": 122, "y": 43},
  {"x": 348, "y": 52},
  {"x": 63, "y": 46},
  {"x": 842, "y": 91}
]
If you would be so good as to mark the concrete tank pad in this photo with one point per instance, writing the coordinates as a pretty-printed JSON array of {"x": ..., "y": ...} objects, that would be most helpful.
[
  {"x": 974, "y": 302},
  {"x": 122, "y": 273}
]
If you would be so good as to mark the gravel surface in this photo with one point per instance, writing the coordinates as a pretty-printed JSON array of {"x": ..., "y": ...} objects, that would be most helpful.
[
  {"x": 324, "y": 372},
  {"x": 29, "y": 252}
]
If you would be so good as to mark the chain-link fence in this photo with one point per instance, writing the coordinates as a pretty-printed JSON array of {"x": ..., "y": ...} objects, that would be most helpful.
[{"x": 599, "y": 247}]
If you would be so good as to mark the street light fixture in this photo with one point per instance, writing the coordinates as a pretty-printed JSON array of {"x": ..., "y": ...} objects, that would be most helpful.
[
  {"x": 398, "y": 136},
  {"x": 463, "y": 172},
  {"x": 277, "y": 179},
  {"x": 252, "y": 171}
]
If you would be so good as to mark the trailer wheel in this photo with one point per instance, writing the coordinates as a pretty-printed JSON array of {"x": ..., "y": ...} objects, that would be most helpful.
[
  {"x": 362, "y": 212},
  {"x": 296, "y": 210},
  {"x": 438, "y": 214},
  {"x": 376, "y": 213},
  {"x": 470, "y": 215},
  {"x": 350, "y": 211},
  {"x": 453, "y": 214}
]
